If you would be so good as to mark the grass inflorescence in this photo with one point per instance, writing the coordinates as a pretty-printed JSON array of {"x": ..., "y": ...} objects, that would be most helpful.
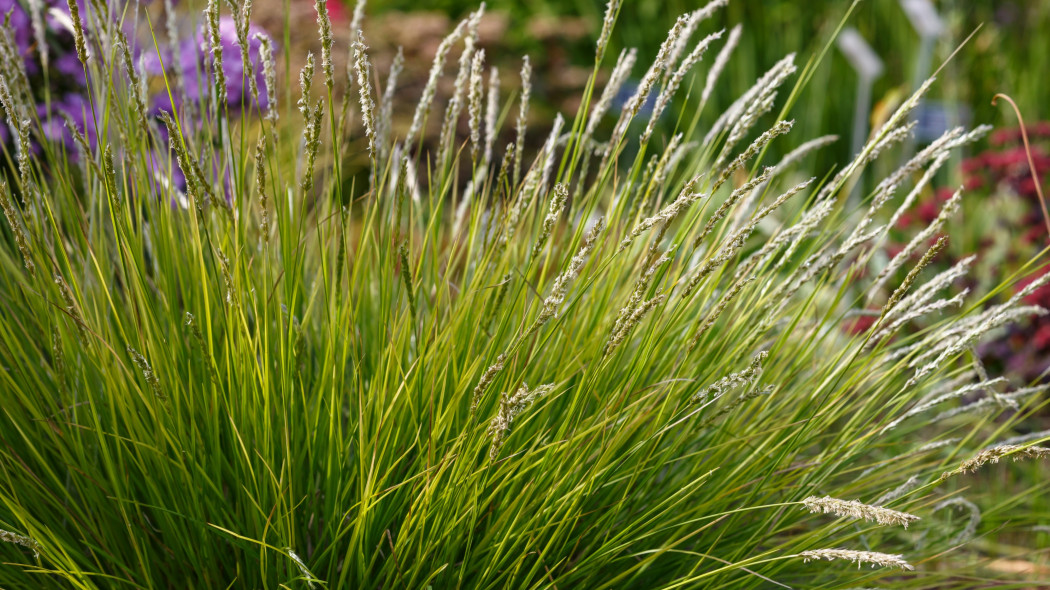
[{"x": 275, "y": 374}]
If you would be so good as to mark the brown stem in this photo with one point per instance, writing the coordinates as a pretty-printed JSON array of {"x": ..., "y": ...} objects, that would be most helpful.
[{"x": 1028, "y": 152}]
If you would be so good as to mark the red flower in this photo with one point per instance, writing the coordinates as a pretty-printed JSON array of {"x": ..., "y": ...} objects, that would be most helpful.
[
  {"x": 860, "y": 324},
  {"x": 905, "y": 220},
  {"x": 1014, "y": 157},
  {"x": 1002, "y": 136},
  {"x": 1034, "y": 234},
  {"x": 927, "y": 211},
  {"x": 1026, "y": 187},
  {"x": 1041, "y": 338},
  {"x": 1040, "y": 296},
  {"x": 972, "y": 165}
]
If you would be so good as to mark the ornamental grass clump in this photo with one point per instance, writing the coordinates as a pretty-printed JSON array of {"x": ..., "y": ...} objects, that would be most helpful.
[{"x": 227, "y": 361}]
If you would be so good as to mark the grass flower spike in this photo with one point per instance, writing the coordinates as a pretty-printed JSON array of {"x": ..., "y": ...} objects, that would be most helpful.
[
  {"x": 858, "y": 510},
  {"x": 270, "y": 307}
]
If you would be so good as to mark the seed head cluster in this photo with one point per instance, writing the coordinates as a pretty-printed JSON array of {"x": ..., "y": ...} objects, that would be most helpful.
[
  {"x": 858, "y": 510},
  {"x": 872, "y": 558},
  {"x": 510, "y": 407},
  {"x": 994, "y": 454}
]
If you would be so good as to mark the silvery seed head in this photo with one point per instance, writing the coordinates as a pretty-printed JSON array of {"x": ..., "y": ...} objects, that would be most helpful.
[
  {"x": 873, "y": 558},
  {"x": 858, "y": 510}
]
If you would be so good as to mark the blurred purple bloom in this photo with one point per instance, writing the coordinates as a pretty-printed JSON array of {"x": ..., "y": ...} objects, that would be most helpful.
[
  {"x": 66, "y": 83},
  {"x": 78, "y": 109},
  {"x": 194, "y": 53},
  {"x": 22, "y": 26},
  {"x": 19, "y": 21},
  {"x": 69, "y": 66}
]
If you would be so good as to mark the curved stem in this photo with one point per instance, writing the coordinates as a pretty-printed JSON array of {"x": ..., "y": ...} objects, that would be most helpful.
[{"x": 1028, "y": 152}]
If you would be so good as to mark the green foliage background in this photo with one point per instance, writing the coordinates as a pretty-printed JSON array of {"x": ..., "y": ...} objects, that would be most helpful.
[{"x": 1008, "y": 52}]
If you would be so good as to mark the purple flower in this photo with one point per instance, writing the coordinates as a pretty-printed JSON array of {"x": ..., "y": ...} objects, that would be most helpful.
[
  {"x": 66, "y": 83},
  {"x": 194, "y": 53},
  {"x": 232, "y": 65},
  {"x": 19, "y": 22},
  {"x": 68, "y": 66},
  {"x": 76, "y": 107}
]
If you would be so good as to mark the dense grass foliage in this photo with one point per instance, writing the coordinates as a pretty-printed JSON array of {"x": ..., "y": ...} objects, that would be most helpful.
[{"x": 227, "y": 364}]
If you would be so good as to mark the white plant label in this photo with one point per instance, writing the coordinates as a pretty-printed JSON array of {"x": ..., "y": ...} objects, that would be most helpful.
[
  {"x": 859, "y": 54},
  {"x": 923, "y": 17}
]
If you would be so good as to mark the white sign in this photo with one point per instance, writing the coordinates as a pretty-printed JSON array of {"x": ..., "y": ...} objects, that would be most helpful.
[
  {"x": 860, "y": 55},
  {"x": 923, "y": 17}
]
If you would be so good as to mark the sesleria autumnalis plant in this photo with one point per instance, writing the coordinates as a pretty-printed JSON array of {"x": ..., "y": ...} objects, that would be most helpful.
[{"x": 598, "y": 370}]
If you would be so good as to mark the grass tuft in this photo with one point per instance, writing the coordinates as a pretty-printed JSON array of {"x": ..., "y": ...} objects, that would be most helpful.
[{"x": 273, "y": 374}]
